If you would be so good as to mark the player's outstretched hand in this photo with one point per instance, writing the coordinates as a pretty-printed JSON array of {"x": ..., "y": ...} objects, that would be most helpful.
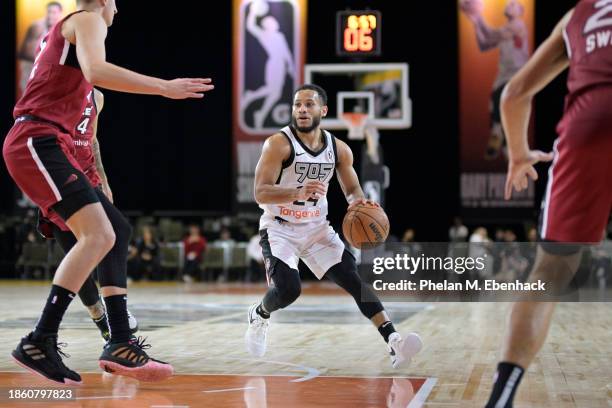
[
  {"x": 363, "y": 201},
  {"x": 519, "y": 171},
  {"x": 312, "y": 189},
  {"x": 183, "y": 88}
]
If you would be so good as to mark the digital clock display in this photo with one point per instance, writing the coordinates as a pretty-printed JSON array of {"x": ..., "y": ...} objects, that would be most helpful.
[{"x": 358, "y": 32}]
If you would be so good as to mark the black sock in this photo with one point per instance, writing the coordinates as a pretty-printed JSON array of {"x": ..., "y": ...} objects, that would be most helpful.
[
  {"x": 386, "y": 329},
  {"x": 262, "y": 312},
  {"x": 57, "y": 303},
  {"x": 507, "y": 381},
  {"x": 116, "y": 310}
]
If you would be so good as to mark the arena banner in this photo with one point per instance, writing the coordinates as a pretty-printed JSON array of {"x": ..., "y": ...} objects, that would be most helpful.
[
  {"x": 33, "y": 20},
  {"x": 496, "y": 38},
  {"x": 268, "y": 60}
]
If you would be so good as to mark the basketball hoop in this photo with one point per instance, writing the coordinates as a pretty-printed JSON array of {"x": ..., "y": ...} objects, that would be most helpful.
[{"x": 356, "y": 123}]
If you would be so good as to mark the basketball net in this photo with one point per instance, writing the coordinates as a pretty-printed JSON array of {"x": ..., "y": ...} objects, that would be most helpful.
[
  {"x": 355, "y": 122},
  {"x": 359, "y": 129}
]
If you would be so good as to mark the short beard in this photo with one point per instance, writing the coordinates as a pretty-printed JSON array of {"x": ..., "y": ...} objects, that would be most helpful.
[{"x": 315, "y": 123}]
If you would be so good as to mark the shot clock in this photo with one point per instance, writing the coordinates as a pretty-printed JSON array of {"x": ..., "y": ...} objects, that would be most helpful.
[{"x": 358, "y": 33}]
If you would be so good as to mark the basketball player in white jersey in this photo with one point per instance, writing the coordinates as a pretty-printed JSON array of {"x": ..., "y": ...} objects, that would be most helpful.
[{"x": 291, "y": 181}]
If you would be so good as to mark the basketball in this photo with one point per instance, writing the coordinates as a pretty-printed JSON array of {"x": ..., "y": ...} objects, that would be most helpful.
[
  {"x": 260, "y": 7},
  {"x": 471, "y": 7},
  {"x": 365, "y": 225}
]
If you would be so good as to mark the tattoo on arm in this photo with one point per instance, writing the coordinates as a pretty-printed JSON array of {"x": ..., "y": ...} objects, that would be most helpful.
[{"x": 98, "y": 159}]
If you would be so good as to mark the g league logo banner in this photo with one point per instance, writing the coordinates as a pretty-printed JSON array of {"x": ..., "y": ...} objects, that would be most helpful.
[
  {"x": 269, "y": 57},
  {"x": 268, "y": 60}
]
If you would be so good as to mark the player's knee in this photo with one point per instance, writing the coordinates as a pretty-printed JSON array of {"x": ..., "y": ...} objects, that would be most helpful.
[
  {"x": 348, "y": 261},
  {"x": 105, "y": 239},
  {"x": 123, "y": 231},
  {"x": 345, "y": 274},
  {"x": 289, "y": 291}
]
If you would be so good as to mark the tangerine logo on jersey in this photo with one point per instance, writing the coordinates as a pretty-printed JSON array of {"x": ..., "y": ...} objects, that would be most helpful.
[
  {"x": 299, "y": 214},
  {"x": 80, "y": 143}
]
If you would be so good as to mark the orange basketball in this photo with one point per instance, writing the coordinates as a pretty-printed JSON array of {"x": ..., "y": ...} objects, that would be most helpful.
[{"x": 365, "y": 225}]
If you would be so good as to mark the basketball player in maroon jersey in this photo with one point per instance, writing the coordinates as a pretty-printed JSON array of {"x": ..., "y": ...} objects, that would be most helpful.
[
  {"x": 39, "y": 155},
  {"x": 87, "y": 154},
  {"x": 578, "y": 196}
]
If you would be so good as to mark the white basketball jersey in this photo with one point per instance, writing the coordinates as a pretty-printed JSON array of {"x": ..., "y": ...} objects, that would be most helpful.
[{"x": 302, "y": 166}]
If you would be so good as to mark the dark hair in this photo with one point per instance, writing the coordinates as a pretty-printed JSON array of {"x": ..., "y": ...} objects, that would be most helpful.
[
  {"x": 55, "y": 3},
  {"x": 312, "y": 87}
]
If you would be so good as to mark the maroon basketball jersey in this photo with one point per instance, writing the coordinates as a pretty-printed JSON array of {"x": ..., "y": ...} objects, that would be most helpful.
[
  {"x": 82, "y": 140},
  {"x": 57, "y": 89},
  {"x": 588, "y": 36}
]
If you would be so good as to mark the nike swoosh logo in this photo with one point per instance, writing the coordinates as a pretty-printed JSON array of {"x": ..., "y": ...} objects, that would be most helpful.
[{"x": 299, "y": 154}]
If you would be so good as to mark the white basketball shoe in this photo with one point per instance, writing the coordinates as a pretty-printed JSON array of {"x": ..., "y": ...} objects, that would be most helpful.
[
  {"x": 401, "y": 350},
  {"x": 257, "y": 332}
]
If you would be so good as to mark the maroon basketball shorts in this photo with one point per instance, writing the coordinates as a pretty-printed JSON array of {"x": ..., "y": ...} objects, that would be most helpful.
[
  {"x": 578, "y": 198},
  {"x": 39, "y": 158}
]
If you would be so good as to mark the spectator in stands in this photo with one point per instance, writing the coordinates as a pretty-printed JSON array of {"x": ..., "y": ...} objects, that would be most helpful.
[
  {"x": 409, "y": 246},
  {"x": 458, "y": 232},
  {"x": 513, "y": 263},
  {"x": 148, "y": 254},
  {"x": 225, "y": 236},
  {"x": 602, "y": 262},
  {"x": 256, "y": 270},
  {"x": 457, "y": 236},
  {"x": 500, "y": 235},
  {"x": 226, "y": 242},
  {"x": 408, "y": 235},
  {"x": 133, "y": 267},
  {"x": 480, "y": 248},
  {"x": 23, "y": 230},
  {"x": 195, "y": 245}
]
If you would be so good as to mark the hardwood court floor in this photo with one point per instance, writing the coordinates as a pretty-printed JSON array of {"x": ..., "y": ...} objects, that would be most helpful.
[{"x": 322, "y": 352}]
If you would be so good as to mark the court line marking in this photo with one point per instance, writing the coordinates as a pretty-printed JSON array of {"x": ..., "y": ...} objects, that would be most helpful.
[
  {"x": 169, "y": 406},
  {"x": 289, "y": 375},
  {"x": 231, "y": 389},
  {"x": 343, "y": 307},
  {"x": 266, "y": 375},
  {"x": 421, "y": 396},
  {"x": 310, "y": 371},
  {"x": 220, "y": 318}
]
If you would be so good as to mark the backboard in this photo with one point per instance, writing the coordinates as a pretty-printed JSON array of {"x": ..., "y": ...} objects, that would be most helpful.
[{"x": 378, "y": 89}]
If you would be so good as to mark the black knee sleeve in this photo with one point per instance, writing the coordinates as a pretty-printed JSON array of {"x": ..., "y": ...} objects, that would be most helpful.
[
  {"x": 559, "y": 248},
  {"x": 344, "y": 274},
  {"x": 112, "y": 270},
  {"x": 285, "y": 286}
]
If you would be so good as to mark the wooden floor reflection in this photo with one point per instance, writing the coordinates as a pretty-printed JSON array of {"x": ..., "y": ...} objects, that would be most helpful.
[
  {"x": 321, "y": 352},
  {"x": 108, "y": 391}
]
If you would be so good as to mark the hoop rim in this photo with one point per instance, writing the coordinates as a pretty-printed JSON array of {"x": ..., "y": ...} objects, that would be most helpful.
[{"x": 355, "y": 119}]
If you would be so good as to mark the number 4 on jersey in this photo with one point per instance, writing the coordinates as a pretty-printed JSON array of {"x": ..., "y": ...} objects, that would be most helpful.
[{"x": 82, "y": 127}]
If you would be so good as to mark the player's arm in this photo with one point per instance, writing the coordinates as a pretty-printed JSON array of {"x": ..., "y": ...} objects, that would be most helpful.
[
  {"x": 347, "y": 177},
  {"x": 95, "y": 146},
  {"x": 27, "y": 51},
  {"x": 251, "y": 24},
  {"x": 275, "y": 150},
  {"x": 89, "y": 34},
  {"x": 488, "y": 37},
  {"x": 288, "y": 57},
  {"x": 549, "y": 60}
]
